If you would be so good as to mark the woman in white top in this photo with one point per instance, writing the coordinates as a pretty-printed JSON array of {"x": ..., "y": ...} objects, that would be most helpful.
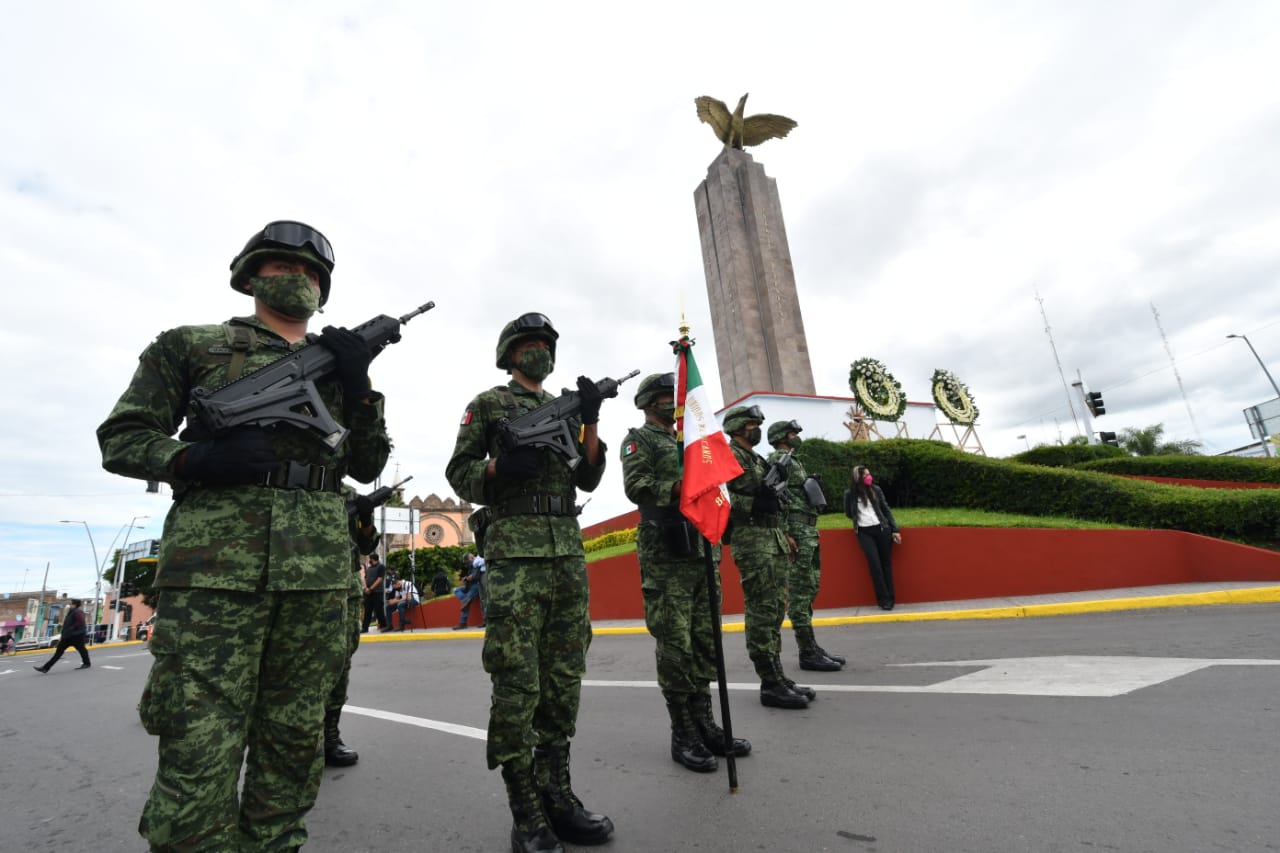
[{"x": 876, "y": 528}]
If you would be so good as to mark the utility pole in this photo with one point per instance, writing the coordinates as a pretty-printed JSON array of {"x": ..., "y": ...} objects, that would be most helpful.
[
  {"x": 1181, "y": 390},
  {"x": 1057, "y": 361}
]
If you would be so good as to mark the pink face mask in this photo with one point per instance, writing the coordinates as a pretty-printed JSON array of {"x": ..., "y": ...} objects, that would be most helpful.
[{"x": 867, "y": 479}]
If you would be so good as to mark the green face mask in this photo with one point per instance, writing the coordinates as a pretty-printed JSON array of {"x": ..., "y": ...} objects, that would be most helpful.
[
  {"x": 665, "y": 411},
  {"x": 794, "y": 441},
  {"x": 291, "y": 295},
  {"x": 753, "y": 436},
  {"x": 537, "y": 364}
]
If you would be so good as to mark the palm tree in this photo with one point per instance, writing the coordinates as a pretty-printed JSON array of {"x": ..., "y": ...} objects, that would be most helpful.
[{"x": 1147, "y": 442}]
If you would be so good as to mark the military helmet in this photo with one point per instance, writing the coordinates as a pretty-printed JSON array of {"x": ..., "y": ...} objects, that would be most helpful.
[
  {"x": 654, "y": 386},
  {"x": 283, "y": 239},
  {"x": 779, "y": 430},
  {"x": 739, "y": 415},
  {"x": 532, "y": 325}
]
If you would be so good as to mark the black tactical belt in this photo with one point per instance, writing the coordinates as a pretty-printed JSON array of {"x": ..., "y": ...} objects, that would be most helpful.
[
  {"x": 661, "y": 513},
  {"x": 805, "y": 519},
  {"x": 298, "y": 475},
  {"x": 535, "y": 505},
  {"x": 757, "y": 520}
]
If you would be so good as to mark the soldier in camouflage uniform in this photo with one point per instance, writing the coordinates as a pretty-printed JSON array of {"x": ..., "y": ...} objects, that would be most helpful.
[
  {"x": 673, "y": 578},
  {"x": 364, "y": 539},
  {"x": 805, "y": 572},
  {"x": 254, "y": 563},
  {"x": 537, "y": 625},
  {"x": 761, "y": 548}
]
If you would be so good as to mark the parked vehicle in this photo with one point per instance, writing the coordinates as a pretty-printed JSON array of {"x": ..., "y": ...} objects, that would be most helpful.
[{"x": 38, "y": 642}]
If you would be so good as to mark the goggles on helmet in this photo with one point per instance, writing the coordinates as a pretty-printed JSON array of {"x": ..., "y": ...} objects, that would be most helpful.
[
  {"x": 752, "y": 414},
  {"x": 287, "y": 234},
  {"x": 534, "y": 322}
]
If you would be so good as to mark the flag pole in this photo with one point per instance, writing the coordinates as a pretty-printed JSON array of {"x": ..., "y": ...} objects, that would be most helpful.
[
  {"x": 722, "y": 680},
  {"x": 717, "y": 637}
]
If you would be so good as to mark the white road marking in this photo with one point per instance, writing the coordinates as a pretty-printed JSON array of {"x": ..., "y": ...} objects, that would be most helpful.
[
  {"x": 1064, "y": 675},
  {"x": 109, "y": 666},
  {"x": 421, "y": 722}
]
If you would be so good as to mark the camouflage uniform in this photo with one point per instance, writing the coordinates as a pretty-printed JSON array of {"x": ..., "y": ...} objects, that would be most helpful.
[
  {"x": 802, "y": 523},
  {"x": 677, "y": 609},
  {"x": 253, "y": 582},
  {"x": 761, "y": 550},
  {"x": 363, "y": 541},
  {"x": 537, "y": 627}
]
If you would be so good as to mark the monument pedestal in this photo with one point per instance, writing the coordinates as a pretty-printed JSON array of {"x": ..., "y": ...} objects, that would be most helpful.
[{"x": 751, "y": 287}]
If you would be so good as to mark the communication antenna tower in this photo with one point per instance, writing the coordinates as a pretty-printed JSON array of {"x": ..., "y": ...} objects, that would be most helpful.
[
  {"x": 1065, "y": 388},
  {"x": 1168, "y": 349}
]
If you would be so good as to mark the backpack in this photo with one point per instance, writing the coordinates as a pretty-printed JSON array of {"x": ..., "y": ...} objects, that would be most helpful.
[{"x": 440, "y": 584}]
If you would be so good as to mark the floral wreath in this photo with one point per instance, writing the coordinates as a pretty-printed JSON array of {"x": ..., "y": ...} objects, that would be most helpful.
[
  {"x": 875, "y": 389},
  {"x": 953, "y": 398}
]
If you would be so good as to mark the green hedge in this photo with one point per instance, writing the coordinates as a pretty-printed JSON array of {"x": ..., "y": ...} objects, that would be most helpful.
[
  {"x": 1068, "y": 455},
  {"x": 1233, "y": 469},
  {"x": 932, "y": 473}
]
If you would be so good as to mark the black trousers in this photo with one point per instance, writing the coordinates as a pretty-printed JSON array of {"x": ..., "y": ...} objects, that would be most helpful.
[
  {"x": 374, "y": 605},
  {"x": 877, "y": 544},
  {"x": 78, "y": 642}
]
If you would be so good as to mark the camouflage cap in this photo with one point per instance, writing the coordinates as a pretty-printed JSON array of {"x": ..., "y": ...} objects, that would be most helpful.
[
  {"x": 779, "y": 430},
  {"x": 654, "y": 386},
  {"x": 739, "y": 415}
]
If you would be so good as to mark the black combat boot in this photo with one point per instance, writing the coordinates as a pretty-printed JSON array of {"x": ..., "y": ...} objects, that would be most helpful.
[
  {"x": 336, "y": 753},
  {"x": 712, "y": 734},
  {"x": 687, "y": 747},
  {"x": 530, "y": 832},
  {"x": 840, "y": 659},
  {"x": 808, "y": 693},
  {"x": 773, "y": 692},
  {"x": 811, "y": 657},
  {"x": 570, "y": 820}
]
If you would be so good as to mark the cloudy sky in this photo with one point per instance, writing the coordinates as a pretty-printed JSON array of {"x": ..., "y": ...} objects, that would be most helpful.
[{"x": 951, "y": 160}]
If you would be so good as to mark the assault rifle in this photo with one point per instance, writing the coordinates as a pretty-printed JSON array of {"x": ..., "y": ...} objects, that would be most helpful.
[
  {"x": 378, "y": 496},
  {"x": 776, "y": 477},
  {"x": 547, "y": 426},
  {"x": 284, "y": 391}
]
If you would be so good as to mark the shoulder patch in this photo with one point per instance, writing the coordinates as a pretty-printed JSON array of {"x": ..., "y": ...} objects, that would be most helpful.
[
  {"x": 466, "y": 418},
  {"x": 629, "y": 448}
]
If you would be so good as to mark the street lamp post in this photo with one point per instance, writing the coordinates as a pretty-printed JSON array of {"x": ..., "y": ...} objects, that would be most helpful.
[
  {"x": 1266, "y": 451},
  {"x": 1245, "y": 338},
  {"x": 119, "y": 577},
  {"x": 97, "y": 567},
  {"x": 1025, "y": 441}
]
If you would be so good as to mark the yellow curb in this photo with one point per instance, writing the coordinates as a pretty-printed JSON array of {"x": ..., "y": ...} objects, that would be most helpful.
[{"x": 1254, "y": 595}]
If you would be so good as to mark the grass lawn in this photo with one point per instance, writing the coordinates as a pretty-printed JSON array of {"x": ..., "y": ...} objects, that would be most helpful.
[{"x": 928, "y": 517}]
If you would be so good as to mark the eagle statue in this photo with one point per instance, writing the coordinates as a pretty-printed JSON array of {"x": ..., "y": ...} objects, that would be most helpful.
[{"x": 734, "y": 130}]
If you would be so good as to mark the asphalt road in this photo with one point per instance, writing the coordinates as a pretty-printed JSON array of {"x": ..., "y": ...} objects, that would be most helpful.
[{"x": 1132, "y": 731}]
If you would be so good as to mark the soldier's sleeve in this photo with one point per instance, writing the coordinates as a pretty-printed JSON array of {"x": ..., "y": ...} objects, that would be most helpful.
[
  {"x": 588, "y": 476},
  {"x": 136, "y": 439},
  {"x": 369, "y": 445},
  {"x": 465, "y": 471},
  {"x": 743, "y": 488},
  {"x": 639, "y": 479}
]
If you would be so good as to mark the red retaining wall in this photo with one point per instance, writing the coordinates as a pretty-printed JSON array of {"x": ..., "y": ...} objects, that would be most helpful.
[
  {"x": 1201, "y": 484},
  {"x": 957, "y": 563}
]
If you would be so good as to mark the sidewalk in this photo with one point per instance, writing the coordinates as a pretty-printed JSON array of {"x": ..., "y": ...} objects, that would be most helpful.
[{"x": 1014, "y": 607}]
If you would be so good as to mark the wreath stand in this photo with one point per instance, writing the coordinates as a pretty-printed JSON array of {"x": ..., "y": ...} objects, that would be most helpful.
[
  {"x": 862, "y": 428},
  {"x": 967, "y": 441}
]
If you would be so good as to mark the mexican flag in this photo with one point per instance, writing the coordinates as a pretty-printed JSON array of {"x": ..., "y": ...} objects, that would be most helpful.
[{"x": 708, "y": 461}]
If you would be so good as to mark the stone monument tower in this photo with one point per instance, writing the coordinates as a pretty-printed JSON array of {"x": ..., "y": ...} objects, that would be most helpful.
[{"x": 751, "y": 287}]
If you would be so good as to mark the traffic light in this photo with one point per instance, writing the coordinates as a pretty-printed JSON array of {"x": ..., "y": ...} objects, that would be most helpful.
[
  {"x": 1093, "y": 400},
  {"x": 1108, "y": 438},
  {"x": 154, "y": 551}
]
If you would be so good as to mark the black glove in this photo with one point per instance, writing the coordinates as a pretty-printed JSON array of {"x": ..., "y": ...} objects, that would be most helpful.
[
  {"x": 519, "y": 464},
  {"x": 242, "y": 456},
  {"x": 364, "y": 510},
  {"x": 353, "y": 356},
  {"x": 591, "y": 400},
  {"x": 766, "y": 501}
]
